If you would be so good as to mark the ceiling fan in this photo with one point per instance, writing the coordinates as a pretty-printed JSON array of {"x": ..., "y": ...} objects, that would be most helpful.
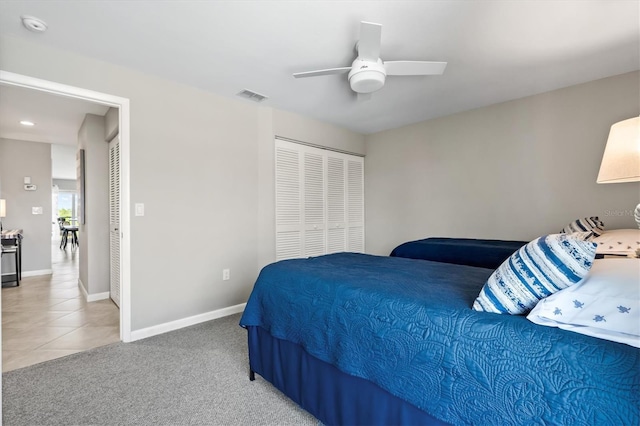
[{"x": 368, "y": 72}]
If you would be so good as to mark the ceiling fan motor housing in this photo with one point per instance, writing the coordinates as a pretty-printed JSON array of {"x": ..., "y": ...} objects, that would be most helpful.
[{"x": 367, "y": 76}]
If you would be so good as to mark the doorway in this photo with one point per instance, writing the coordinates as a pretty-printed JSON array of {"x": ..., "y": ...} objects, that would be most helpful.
[{"x": 122, "y": 104}]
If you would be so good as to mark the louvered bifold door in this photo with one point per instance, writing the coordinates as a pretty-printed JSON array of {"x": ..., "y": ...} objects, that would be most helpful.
[
  {"x": 355, "y": 205},
  {"x": 114, "y": 220},
  {"x": 288, "y": 202},
  {"x": 319, "y": 201},
  {"x": 314, "y": 216},
  {"x": 336, "y": 204}
]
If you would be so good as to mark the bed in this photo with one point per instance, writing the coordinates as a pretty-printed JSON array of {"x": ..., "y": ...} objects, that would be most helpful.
[
  {"x": 460, "y": 251},
  {"x": 362, "y": 339}
]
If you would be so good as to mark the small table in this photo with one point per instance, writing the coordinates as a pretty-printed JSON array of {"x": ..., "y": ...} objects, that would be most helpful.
[{"x": 13, "y": 237}]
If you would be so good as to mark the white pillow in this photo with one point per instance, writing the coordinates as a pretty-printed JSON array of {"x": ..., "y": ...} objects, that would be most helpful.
[
  {"x": 618, "y": 241},
  {"x": 606, "y": 304}
]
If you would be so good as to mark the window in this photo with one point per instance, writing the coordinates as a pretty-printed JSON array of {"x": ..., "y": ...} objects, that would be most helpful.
[
  {"x": 67, "y": 204},
  {"x": 319, "y": 201}
]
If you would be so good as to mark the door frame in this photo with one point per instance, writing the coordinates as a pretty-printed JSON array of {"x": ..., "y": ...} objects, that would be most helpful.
[{"x": 18, "y": 80}]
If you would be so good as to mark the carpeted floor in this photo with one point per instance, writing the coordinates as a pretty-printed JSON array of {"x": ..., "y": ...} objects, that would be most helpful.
[{"x": 197, "y": 375}]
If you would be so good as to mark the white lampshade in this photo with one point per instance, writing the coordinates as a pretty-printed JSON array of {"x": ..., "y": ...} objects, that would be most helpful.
[
  {"x": 3, "y": 208},
  {"x": 621, "y": 159}
]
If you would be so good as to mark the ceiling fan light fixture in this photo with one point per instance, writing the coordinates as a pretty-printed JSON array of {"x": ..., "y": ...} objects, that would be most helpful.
[
  {"x": 368, "y": 72},
  {"x": 367, "y": 76}
]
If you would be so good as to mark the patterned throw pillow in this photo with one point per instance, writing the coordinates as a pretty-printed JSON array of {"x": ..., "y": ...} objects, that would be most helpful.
[
  {"x": 540, "y": 268},
  {"x": 591, "y": 224}
]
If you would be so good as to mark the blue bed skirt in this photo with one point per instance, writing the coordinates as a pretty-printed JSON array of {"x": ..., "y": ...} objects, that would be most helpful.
[{"x": 333, "y": 397}]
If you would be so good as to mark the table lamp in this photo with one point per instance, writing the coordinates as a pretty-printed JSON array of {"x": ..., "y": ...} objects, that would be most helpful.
[
  {"x": 3, "y": 211},
  {"x": 621, "y": 158}
]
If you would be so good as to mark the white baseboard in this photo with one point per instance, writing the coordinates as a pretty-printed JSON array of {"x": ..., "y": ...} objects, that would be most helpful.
[
  {"x": 185, "y": 322},
  {"x": 82, "y": 289},
  {"x": 37, "y": 273},
  {"x": 32, "y": 273},
  {"x": 98, "y": 296},
  {"x": 92, "y": 297}
]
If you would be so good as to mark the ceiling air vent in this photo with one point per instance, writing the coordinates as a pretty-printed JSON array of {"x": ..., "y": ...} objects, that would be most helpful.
[{"x": 248, "y": 94}]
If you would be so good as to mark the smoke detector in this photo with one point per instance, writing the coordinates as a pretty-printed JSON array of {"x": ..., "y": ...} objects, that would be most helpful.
[{"x": 33, "y": 24}]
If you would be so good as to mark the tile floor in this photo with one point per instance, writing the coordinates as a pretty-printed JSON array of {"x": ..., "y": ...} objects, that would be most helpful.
[{"x": 47, "y": 317}]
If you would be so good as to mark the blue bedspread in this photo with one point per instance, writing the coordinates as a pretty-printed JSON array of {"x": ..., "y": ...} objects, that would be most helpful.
[
  {"x": 461, "y": 251},
  {"x": 407, "y": 326}
]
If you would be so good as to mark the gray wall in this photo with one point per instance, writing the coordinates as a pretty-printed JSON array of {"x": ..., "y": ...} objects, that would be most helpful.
[
  {"x": 63, "y": 161},
  {"x": 93, "y": 236},
  {"x": 196, "y": 163},
  {"x": 514, "y": 170},
  {"x": 111, "y": 124},
  {"x": 17, "y": 160}
]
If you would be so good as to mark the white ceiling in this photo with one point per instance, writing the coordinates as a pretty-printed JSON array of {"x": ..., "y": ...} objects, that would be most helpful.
[
  {"x": 57, "y": 118},
  {"x": 496, "y": 50}
]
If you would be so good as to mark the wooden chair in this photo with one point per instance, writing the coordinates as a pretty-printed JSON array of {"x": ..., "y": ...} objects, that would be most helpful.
[{"x": 64, "y": 232}]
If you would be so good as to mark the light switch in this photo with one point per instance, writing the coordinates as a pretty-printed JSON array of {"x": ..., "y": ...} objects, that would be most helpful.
[
  {"x": 36, "y": 210},
  {"x": 27, "y": 180},
  {"x": 139, "y": 209}
]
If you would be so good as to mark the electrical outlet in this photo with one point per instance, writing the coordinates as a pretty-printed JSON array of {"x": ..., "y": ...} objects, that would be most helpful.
[{"x": 226, "y": 274}]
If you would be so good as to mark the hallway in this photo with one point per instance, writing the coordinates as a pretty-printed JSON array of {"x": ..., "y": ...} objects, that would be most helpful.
[{"x": 47, "y": 317}]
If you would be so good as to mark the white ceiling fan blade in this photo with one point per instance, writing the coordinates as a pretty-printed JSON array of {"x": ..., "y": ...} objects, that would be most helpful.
[
  {"x": 316, "y": 73},
  {"x": 369, "y": 43},
  {"x": 414, "y": 67}
]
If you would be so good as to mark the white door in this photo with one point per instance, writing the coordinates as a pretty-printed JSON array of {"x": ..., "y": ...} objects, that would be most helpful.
[
  {"x": 336, "y": 204},
  {"x": 319, "y": 201},
  {"x": 114, "y": 219},
  {"x": 288, "y": 201},
  {"x": 355, "y": 205},
  {"x": 314, "y": 210}
]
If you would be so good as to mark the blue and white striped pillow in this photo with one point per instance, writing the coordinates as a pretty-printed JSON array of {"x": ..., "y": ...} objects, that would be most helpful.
[
  {"x": 591, "y": 224},
  {"x": 537, "y": 270}
]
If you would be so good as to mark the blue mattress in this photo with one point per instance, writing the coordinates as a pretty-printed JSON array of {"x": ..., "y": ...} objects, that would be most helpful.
[
  {"x": 406, "y": 325},
  {"x": 460, "y": 251}
]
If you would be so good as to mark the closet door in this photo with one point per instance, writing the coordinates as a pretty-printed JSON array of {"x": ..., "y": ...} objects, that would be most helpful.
[
  {"x": 319, "y": 201},
  {"x": 314, "y": 208},
  {"x": 355, "y": 205},
  {"x": 345, "y": 203},
  {"x": 114, "y": 219},
  {"x": 288, "y": 202},
  {"x": 336, "y": 204}
]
